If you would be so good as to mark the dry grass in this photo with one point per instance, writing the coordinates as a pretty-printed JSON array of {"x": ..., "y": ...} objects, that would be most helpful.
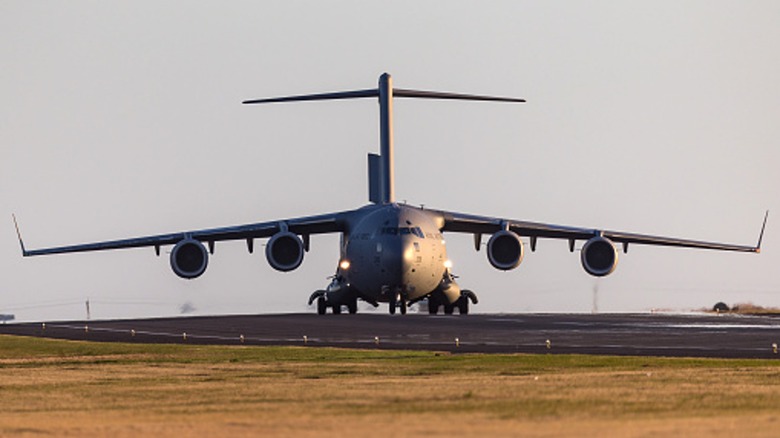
[
  {"x": 754, "y": 309},
  {"x": 63, "y": 388},
  {"x": 748, "y": 309}
]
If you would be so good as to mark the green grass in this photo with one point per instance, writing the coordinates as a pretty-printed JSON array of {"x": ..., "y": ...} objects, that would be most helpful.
[{"x": 23, "y": 351}]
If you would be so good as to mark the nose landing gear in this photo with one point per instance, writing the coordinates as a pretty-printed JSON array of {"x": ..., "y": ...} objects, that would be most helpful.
[{"x": 397, "y": 300}]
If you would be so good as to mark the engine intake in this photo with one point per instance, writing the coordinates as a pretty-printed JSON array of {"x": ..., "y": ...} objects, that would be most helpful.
[
  {"x": 284, "y": 251},
  {"x": 189, "y": 259},
  {"x": 599, "y": 256},
  {"x": 505, "y": 250}
]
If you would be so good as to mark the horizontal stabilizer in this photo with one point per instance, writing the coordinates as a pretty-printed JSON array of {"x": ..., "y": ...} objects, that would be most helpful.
[
  {"x": 358, "y": 94},
  {"x": 397, "y": 92},
  {"x": 451, "y": 96},
  {"x": 374, "y": 92}
]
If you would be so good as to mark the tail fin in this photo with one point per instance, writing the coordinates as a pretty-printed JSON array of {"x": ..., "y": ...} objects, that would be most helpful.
[
  {"x": 375, "y": 178},
  {"x": 384, "y": 192}
]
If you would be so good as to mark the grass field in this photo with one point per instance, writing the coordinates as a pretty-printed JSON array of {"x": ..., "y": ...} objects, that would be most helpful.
[{"x": 67, "y": 388}]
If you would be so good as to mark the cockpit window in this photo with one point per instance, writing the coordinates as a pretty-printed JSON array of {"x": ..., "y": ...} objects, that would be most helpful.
[{"x": 394, "y": 231}]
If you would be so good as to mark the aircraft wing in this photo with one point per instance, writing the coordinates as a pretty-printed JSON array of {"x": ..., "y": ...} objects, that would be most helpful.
[
  {"x": 305, "y": 226},
  {"x": 465, "y": 223}
]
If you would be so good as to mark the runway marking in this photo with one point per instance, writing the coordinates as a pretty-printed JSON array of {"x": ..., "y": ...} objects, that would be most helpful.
[
  {"x": 724, "y": 326},
  {"x": 576, "y": 334}
]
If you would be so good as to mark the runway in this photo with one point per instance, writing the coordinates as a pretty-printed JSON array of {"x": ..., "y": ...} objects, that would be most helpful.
[{"x": 692, "y": 335}]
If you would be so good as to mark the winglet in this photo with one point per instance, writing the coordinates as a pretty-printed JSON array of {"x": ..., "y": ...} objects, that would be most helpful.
[
  {"x": 761, "y": 235},
  {"x": 19, "y": 235}
]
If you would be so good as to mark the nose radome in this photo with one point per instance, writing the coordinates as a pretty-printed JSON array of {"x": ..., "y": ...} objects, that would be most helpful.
[
  {"x": 409, "y": 252},
  {"x": 393, "y": 259}
]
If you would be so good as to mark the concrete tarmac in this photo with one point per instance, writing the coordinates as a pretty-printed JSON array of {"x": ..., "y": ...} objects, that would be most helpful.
[{"x": 692, "y": 335}]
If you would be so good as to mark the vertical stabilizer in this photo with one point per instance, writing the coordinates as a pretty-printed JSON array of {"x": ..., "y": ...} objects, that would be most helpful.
[
  {"x": 386, "y": 137},
  {"x": 374, "y": 178}
]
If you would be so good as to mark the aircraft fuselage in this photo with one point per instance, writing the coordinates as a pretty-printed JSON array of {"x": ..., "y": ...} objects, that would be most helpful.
[{"x": 393, "y": 250}]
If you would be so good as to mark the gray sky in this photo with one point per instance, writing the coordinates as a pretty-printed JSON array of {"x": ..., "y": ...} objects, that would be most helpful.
[{"x": 120, "y": 119}]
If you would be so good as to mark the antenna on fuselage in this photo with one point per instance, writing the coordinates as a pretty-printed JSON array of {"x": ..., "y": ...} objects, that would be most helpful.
[{"x": 385, "y": 92}]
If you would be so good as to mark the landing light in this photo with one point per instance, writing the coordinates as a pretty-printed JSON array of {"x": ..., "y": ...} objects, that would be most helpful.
[
  {"x": 448, "y": 264},
  {"x": 344, "y": 264}
]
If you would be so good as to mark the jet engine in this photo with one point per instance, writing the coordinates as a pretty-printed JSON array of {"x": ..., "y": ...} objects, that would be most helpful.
[
  {"x": 189, "y": 258},
  {"x": 284, "y": 251},
  {"x": 599, "y": 256},
  {"x": 505, "y": 250}
]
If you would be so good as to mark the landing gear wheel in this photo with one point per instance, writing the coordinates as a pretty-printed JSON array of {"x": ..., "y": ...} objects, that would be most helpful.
[
  {"x": 337, "y": 309},
  {"x": 463, "y": 305},
  {"x": 433, "y": 306},
  {"x": 403, "y": 306},
  {"x": 448, "y": 308},
  {"x": 393, "y": 302},
  {"x": 321, "y": 306},
  {"x": 352, "y": 306}
]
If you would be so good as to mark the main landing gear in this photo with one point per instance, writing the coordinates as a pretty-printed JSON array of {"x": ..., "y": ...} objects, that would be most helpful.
[
  {"x": 467, "y": 297},
  {"x": 335, "y": 305},
  {"x": 397, "y": 303}
]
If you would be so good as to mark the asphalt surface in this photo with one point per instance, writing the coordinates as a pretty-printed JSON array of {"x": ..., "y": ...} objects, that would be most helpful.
[{"x": 700, "y": 335}]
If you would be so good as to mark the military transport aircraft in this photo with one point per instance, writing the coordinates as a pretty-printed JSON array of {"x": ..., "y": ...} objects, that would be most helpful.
[{"x": 390, "y": 252}]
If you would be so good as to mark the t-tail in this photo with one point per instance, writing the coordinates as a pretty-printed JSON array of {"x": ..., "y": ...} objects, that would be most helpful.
[{"x": 381, "y": 173}]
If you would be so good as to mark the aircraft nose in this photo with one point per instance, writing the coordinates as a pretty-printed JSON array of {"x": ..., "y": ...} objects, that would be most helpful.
[
  {"x": 392, "y": 261},
  {"x": 409, "y": 254},
  {"x": 398, "y": 260}
]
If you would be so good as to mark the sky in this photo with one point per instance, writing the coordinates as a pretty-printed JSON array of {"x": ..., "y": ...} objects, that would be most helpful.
[{"x": 123, "y": 119}]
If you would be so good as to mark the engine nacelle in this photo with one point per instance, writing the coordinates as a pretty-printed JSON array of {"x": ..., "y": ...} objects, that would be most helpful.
[
  {"x": 284, "y": 251},
  {"x": 505, "y": 250},
  {"x": 189, "y": 258},
  {"x": 599, "y": 256}
]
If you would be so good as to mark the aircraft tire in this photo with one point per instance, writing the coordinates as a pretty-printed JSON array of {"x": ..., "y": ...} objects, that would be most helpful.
[
  {"x": 352, "y": 307},
  {"x": 433, "y": 306},
  {"x": 337, "y": 309},
  {"x": 448, "y": 309},
  {"x": 403, "y": 307},
  {"x": 321, "y": 306},
  {"x": 463, "y": 306},
  {"x": 392, "y": 303}
]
